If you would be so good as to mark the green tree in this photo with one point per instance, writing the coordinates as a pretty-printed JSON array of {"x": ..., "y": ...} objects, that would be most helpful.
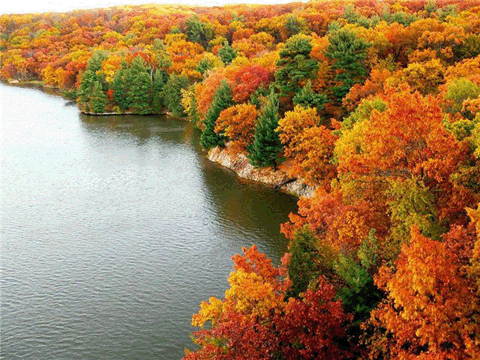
[
  {"x": 348, "y": 54},
  {"x": 95, "y": 62},
  {"x": 430, "y": 7},
  {"x": 98, "y": 100},
  {"x": 227, "y": 53},
  {"x": 307, "y": 98},
  {"x": 411, "y": 203},
  {"x": 91, "y": 75},
  {"x": 295, "y": 66},
  {"x": 140, "y": 91},
  {"x": 85, "y": 89},
  {"x": 204, "y": 65},
  {"x": 266, "y": 145},
  {"x": 221, "y": 100},
  {"x": 259, "y": 96},
  {"x": 198, "y": 31},
  {"x": 469, "y": 48},
  {"x": 358, "y": 292},
  {"x": 119, "y": 87},
  {"x": 449, "y": 10},
  {"x": 192, "y": 110},
  {"x": 363, "y": 112},
  {"x": 459, "y": 91},
  {"x": 172, "y": 94},
  {"x": 294, "y": 25},
  {"x": 160, "y": 78},
  {"x": 308, "y": 260}
]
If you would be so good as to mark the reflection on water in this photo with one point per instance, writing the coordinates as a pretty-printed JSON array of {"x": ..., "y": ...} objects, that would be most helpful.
[{"x": 114, "y": 230}]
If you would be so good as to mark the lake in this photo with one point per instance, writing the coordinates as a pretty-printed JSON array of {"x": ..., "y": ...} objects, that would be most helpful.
[{"x": 114, "y": 229}]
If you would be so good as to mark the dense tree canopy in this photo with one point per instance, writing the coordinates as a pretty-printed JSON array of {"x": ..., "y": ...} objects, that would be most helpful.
[{"x": 374, "y": 104}]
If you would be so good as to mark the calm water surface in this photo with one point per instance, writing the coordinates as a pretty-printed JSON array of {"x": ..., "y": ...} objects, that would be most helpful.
[{"x": 114, "y": 229}]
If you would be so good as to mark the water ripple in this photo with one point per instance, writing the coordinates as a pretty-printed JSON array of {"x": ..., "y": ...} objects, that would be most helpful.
[{"x": 114, "y": 230}]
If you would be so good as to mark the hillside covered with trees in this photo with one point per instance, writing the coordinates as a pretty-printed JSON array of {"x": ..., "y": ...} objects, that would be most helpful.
[{"x": 375, "y": 103}]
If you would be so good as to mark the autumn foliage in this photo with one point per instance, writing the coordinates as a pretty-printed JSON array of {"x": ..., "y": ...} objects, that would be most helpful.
[
  {"x": 372, "y": 105},
  {"x": 432, "y": 309},
  {"x": 256, "y": 321}
]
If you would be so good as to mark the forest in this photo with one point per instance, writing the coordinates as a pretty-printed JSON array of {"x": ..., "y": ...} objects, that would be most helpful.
[{"x": 374, "y": 103}]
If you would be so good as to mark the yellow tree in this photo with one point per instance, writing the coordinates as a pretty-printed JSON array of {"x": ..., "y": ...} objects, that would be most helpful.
[{"x": 308, "y": 145}]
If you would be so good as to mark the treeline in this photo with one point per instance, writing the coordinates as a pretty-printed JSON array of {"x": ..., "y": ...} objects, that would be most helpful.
[
  {"x": 375, "y": 103},
  {"x": 134, "y": 87}
]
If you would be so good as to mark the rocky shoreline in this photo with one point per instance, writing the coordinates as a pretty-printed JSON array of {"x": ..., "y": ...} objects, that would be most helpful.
[{"x": 276, "y": 178}]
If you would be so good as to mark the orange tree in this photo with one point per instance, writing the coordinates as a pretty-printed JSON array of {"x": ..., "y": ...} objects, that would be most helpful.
[{"x": 256, "y": 321}]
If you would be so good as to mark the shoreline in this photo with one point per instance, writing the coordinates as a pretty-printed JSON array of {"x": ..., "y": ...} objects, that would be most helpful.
[
  {"x": 112, "y": 113},
  {"x": 279, "y": 178}
]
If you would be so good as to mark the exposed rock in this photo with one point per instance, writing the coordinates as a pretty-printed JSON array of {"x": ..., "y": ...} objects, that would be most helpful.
[{"x": 278, "y": 178}]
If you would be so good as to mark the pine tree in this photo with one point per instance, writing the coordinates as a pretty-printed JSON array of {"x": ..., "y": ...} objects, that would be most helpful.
[
  {"x": 348, "y": 53},
  {"x": 204, "y": 65},
  {"x": 259, "y": 96},
  {"x": 227, "y": 53},
  {"x": 221, "y": 100},
  {"x": 199, "y": 31},
  {"x": 305, "y": 265},
  {"x": 266, "y": 145},
  {"x": 140, "y": 86},
  {"x": 85, "y": 89},
  {"x": 160, "y": 78},
  {"x": 295, "y": 66},
  {"x": 172, "y": 94},
  {"x": 120, "y": 89},
  {"x": 89, "y": 77},
  {"x": 95, "y": 62},
  {"x": 359, "y": 294},
  {"x": 308, "y": 98},
  {"x": 98, "y": 100},
  {"x": 294, "y": 25},
  {"x": 192, "y": 110}
]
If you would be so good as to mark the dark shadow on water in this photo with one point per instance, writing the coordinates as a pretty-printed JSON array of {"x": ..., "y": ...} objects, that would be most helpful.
[{"x": 141, "y": 127}]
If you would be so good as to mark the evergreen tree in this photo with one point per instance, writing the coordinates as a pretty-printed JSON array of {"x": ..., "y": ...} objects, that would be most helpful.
[
  {"x": 198, "y": 31},
  {"x": 293, "y": 25},
  {"x": 307, "y": 98},
  {"x": 193, "y": 112},
  {"x": 348, "y": 53},
  {"x": 204, "y": 65},
  {"x": 266, "y": 146},
  {"x": 259, "y": 96},
  {"x": 140, "y": 86},
  {"x": 98, "y": 100},
  {"x": 160, "y": 78},
  {"x": 227, "y": 53},
  {"x": 85, "y": 89},
  {"x": 359, "y": 294},
  {"x": 295, "y": 66},
  {"x": 221, "y": 100},
  {"x": 89, "y": 77},
  {"x": 308, "y": 261},
  {"x": 95, "y": 62},
  {"x": 172, "y": 94},
  {"x": 120, "y": 88}
]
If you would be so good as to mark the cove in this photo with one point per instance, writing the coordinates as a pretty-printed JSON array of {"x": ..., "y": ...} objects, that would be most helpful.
[{"x": 114, "y": 229}]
